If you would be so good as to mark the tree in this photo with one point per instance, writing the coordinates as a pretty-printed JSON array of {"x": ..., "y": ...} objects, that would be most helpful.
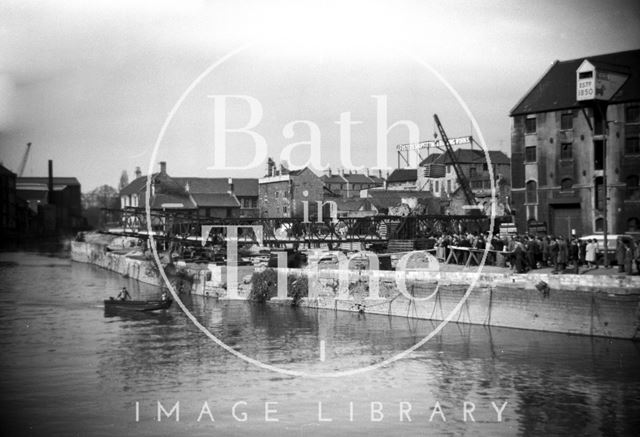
[{"x": 124, "y": 180}]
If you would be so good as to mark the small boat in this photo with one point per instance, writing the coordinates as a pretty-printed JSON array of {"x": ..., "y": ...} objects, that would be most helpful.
[{"x": 112, "y": 304}]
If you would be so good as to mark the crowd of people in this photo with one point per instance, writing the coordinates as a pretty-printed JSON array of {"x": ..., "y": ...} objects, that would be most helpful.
[{"x": 523, "y": 253}]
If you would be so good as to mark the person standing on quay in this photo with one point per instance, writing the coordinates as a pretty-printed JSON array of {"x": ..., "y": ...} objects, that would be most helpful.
[
  {"x": 590, "y": 253},
  {"x": 620, "y": 253},
  {"x": 563, "y": 254}
]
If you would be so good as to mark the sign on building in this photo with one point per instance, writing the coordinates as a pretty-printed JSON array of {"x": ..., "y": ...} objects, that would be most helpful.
[{"x": 597, "y": 83}]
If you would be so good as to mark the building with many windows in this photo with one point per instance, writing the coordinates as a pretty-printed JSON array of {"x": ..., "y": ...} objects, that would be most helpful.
[
  {"x": 282, "y": 192},
  {"x": 557, "y": 150},
  {"x": 474, "y": 165}
]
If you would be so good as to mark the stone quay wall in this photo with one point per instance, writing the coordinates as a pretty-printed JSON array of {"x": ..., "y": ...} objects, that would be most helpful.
[
  {"x": 604, "y": 305},
  {"x": 607, "y": 306}
]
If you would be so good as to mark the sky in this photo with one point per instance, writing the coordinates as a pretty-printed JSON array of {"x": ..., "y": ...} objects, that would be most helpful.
[{"x": 91, "y": 84}]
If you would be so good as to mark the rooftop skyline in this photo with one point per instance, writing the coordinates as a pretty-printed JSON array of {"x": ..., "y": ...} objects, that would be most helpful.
[{"x": 90, "y": 85}]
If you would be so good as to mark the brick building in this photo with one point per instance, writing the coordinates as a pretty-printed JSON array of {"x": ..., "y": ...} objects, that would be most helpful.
[
  {"x": 473, "y": 164},
  {"x": 282, "y": 192},
  {"x": 557, "y": 150},
  {"x": 402, "y": 179},
  {"x": 211, "y": 197},
  {"x": 348, "y": 184}
]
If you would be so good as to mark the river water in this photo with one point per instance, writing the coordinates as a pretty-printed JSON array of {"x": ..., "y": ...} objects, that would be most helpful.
[{"x": 68, "y": 369}]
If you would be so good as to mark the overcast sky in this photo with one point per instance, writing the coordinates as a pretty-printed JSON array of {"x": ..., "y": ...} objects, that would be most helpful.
[{"x": 90, "y": 84}]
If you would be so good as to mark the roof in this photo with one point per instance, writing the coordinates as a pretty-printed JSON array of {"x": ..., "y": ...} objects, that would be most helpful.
[
  {"x": 352, "y": 178},
  {"x": 5, "y": 170},
  {"x": 469, "y": 156},
  {"x": 355, "y": 204},
  {"x": 243, "y": 187},
  {"x": 556, "y": 89},
  {"x": 403, "y": 175},
  {"x": 135, "y": 186},
  {"x": 430, "y": 159},
  {"x": 163, "y": 200},
  {"x": 358, "y": 178},
  {"x": 45, "y": 180},
  {"x": 220, "y": 200},
  {"x": 333, "y": 179},
  {"x": 383, "y": 199}
]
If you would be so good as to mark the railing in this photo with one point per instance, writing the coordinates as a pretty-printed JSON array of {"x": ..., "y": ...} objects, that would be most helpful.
[{"x": 187, "y": 225}]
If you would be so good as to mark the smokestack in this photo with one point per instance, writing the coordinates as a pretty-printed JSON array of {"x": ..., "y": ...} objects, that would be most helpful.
[
  {"x": 270, "y": 167},
  {"x": 230, "y": 185},
  {"x": 50, "y": 193},
  {"x": 380, "y": 173},
  {"x": 138, "y": 172},
  {"x": 366, "y": 171},
  {"x": 163, "y": 168}
]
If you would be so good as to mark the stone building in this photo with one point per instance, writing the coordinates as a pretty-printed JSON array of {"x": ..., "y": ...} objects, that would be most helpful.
[
  {"x": 557, "y": 147},
  {"x": 210, "y": 197},
  {"x": 348, "y": 184},
  {"x": 474, "y": 165},
  {"x": 281, "y": 192},
  {"x": 402, "y": 179}
]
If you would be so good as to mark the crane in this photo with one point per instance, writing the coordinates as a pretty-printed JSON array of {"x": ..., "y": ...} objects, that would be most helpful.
[
  {"x": 462, "y": 179},
  {"x": 23, "y": 164}
]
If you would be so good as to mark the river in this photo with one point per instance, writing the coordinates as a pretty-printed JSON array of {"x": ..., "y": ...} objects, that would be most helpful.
[{"x": 69, "y": 369}]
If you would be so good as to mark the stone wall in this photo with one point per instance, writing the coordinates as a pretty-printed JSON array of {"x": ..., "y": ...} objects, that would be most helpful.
[{"x": 607, "y": 306}]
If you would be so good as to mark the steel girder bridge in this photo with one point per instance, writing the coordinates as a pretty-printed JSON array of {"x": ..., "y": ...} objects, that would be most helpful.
[{"x": 186, "y": 226}]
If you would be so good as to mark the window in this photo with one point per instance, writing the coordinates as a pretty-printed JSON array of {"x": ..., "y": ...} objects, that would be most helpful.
[
  {"x": 631, "y": 145},
  {"x": 566, "y": 151},
  {"x": 473, "y": 172},
  {"x": 437, "y": 186},
  {"x": 633, "y": 224},
  {"x": 599, "y": 193},
  {"x": 632, "y": 114},
  {"x": 598, "y": 154},
  {"x": 530, "y": 125},
  {"x": 530, "y": 154},
  {"x": 633, "y": 189},
  {"x": 485, "y": 167},
  {"x": 449, "y": 186},
  {"x": 566, "y": 184},
  {"x": 284, "y": 209},
  {"x": 599, "y": 225},
  {"x": 448, "y": 169},
  {"x": 531, "y": 193},
  {"x": 566, "y": 121},
  {"x": 598, "y": 122}
]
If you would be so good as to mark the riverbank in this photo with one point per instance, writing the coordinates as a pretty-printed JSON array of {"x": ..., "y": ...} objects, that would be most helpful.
[{"x": 606, "y": 305}]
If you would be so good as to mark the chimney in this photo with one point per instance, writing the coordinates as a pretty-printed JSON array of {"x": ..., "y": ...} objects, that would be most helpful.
[
  {"x": 138, "y": 172},
  {"x": 50, "y": 181},
  {"x": 230, "y": 185},
  {"x": 380, "y": 173},
  {"x": 342, "y": 172},
  {"x": 366, "y": 171},
  {"x": 270, "y": 167},
  {"x": 163, "y": 168}
]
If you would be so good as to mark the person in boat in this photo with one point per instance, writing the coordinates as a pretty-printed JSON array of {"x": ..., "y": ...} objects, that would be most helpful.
[{"x": 124, "y": 294}]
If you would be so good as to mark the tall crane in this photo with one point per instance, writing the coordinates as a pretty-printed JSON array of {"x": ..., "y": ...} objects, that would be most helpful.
[
  {"x": 23, "y": 164},
  {"x": 462, "y": 179}
]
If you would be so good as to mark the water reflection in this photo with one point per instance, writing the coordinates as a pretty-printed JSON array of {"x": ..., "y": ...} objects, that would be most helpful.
[{"x": 69, "y": 369}]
